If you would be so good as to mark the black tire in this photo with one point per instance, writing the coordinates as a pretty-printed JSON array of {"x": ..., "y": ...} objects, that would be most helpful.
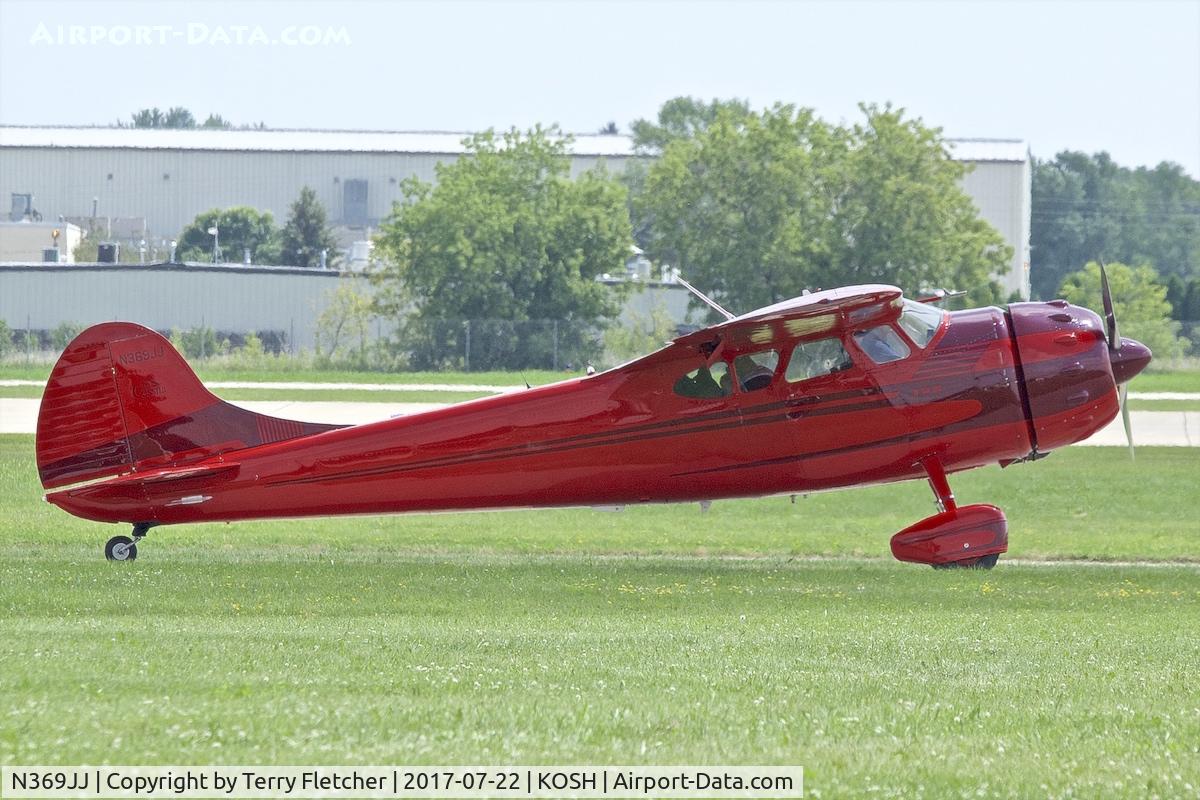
[
  {"x": 983, "y": 562},
  {"x": 120, "y": 548}
]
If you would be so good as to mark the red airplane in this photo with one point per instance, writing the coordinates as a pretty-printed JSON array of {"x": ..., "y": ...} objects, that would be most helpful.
[{"x": 833, "y": 389}]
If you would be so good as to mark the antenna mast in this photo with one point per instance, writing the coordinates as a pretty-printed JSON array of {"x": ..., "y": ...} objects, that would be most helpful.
[{"x": 711, "y": 303}]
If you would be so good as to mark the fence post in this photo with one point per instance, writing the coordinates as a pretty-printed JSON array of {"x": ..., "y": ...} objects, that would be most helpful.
[
  {"x": 467, "y": 359},
  {"x": 555, "y": 345}
]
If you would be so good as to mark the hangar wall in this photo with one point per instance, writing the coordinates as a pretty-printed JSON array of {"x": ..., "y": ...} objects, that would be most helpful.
[{"x": 226, "y": 298}]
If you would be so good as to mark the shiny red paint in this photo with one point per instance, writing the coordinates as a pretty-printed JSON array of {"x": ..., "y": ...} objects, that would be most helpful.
[{"x": 124, "y": 413}]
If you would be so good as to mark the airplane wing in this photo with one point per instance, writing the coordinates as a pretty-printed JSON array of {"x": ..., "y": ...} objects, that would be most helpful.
[{"x": 830, "y": 311}]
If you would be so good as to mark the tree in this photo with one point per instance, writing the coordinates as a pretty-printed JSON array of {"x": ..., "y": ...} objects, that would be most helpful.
[
  {"x": 217, "y": 121},
  {"x": 756, "y": 207},
  {"x": 307, "y": 233},
  {"x": 678, "y": 118},
  {"x": 1087, "y": 207},
  {"x": 504, "y": 235},
  {"x": 176, "y": 117},
  {"x": 1139, "y": 301},
  {"x": 179, "y": 117},
  {"x": 238, "y": 228},
  {"x": 148, "y": 118},
  {"x": 343, "y": 324},
  {"x": 6, "y": 339},
  {"x": 609, "y": 129},
  {"x": 900, "y": 216},
  {"x": 683, "y": 118}
]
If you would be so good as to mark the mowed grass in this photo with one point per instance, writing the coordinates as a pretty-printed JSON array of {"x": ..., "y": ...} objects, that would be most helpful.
[
  {"x": 585, "y": 637},
  {"x": 1080, "y": 503}
]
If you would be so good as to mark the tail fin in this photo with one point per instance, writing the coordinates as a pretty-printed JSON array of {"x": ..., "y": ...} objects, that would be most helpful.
[{"x": 121, "y": 399}]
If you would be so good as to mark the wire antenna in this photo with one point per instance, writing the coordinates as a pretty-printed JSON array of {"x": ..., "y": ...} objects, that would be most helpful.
[{"x": 711, "y": 303}]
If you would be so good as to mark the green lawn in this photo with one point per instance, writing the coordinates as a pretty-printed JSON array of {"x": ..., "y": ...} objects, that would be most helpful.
[
  {"x": 1167, "y": 381},
  {"x": 1164, "y": 405},
  {"x": 588, "y": 637}
]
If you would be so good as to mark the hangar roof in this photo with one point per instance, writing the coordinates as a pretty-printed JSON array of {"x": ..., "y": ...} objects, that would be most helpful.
[
  {"x": 989, "y": 149},
  {"x": 437, "y": 142},
  {"x": 331, "y": 141}
]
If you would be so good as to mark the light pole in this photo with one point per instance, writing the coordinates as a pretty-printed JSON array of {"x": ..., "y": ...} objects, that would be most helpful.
[{"x": 215, "y": 232}]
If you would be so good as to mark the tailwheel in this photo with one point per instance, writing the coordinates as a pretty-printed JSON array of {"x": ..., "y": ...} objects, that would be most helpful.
[
  {"x": 120, "y": 548},
  {"x": 983, "y": 562}
]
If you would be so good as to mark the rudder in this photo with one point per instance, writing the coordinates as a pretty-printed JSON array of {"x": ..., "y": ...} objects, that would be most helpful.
[{"x": 121, "y": 399}]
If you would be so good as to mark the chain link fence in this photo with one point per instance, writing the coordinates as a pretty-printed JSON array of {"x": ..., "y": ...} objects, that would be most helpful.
[{"x": 473, "y": 345}]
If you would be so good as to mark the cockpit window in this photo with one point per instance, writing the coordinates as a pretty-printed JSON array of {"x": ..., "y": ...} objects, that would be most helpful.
[
  {"x": 920, "y": 321},
  {"x": 755, "y": 370},
  {"x": 882, "y": 344},
  {"x": 814, "y": 359},
  {"x": 705, "y": 382}
]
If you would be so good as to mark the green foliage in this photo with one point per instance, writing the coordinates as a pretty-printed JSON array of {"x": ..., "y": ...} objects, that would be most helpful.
[
  {"x": 307, "y": 233},
  {"x": 176, "y": 117},
  {"x": 62, "y": 335},
  {"x": 756, "y": 207},
  {"x": 344, "y": 324},
  {"x": 1087, "y": 207},
  {"x": 239, "y": 227},
  {"x": 638, "y": 335},
  {"x": 6, "y": 339},
  {"x": 196, "y": 342},
  {"x": 1139, "y": 301},
  {"x": 504, "y": 235},
  {"x": 678, "y": 118},
  {"x": 217, "y": 121}
]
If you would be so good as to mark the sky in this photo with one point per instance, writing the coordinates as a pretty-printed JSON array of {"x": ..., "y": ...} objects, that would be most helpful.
[{"x": 1115, "y": 76}]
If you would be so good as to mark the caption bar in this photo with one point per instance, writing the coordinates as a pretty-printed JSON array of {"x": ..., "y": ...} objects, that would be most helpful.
[{"x": 317, "y": 783}]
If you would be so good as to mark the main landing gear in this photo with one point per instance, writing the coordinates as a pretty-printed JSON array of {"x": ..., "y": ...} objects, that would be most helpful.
[
  {"x": 971, "y": 537},
  {"x": 123, "y": 548}
]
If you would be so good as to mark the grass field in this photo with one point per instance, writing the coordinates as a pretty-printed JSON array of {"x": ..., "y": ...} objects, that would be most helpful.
[{"x": 585, "y": 637}]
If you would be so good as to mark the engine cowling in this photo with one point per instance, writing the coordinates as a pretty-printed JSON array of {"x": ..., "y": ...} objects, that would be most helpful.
[{"x": 961, "y": 535}]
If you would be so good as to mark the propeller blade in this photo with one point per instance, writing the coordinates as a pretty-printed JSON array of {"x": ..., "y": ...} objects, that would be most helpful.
[
  {"x": 1110, "y": 316},
  {"x": 1124, "y": 395}
]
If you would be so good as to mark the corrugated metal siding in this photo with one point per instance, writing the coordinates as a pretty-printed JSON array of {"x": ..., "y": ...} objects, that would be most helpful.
[
  {"x": 65, "y": 181},
  {"x": 1001, "y": 193},
  {"x": 225, "y": 299}
]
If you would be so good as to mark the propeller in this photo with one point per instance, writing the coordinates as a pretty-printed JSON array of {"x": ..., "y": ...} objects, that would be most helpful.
[
  {"x": 1124, "y": 399},
  {"x": 1114, "y": 346},
  {"x": 1110, "y": 316}
]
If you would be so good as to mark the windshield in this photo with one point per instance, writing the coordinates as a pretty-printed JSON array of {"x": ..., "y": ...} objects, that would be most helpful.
[{"x": 920, "y": 321}]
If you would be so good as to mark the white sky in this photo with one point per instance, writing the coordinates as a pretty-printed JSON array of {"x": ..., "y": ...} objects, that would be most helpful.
[{"x": 1116, "y": 76}]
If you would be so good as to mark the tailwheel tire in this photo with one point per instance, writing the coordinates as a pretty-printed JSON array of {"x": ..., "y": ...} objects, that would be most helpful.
[
  {"x": 120, "y": 548},
  {"x": 983, "y": 562}
]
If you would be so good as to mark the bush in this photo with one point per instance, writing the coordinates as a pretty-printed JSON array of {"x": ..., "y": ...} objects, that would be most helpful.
[
  {"x": 61, "y": 336},
  {"x": 6, "y": 339}
]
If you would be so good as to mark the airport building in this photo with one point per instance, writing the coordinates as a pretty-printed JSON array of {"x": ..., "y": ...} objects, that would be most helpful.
[{"x": 143, "y": 186}]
